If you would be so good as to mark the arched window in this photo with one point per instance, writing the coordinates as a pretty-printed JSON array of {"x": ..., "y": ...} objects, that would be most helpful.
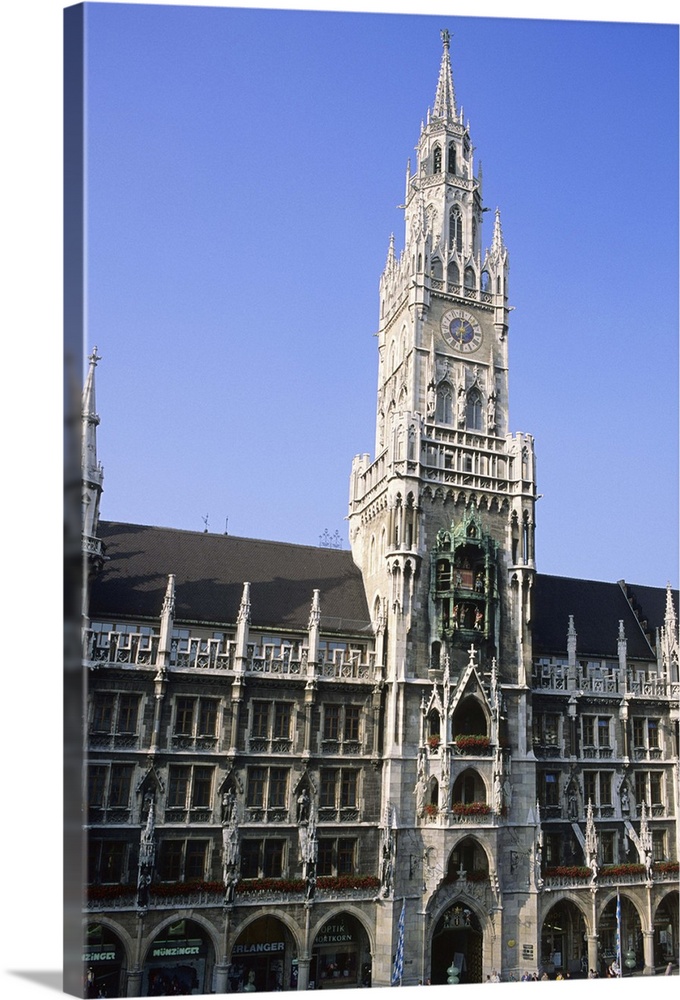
[
  {"x": 451, "y": 162},
  {"x": 473, "y": 411},
  {"x": 444, "y": 410},
  {"x": 474, "y": 235},
  {"x": 437, "y": 159},
  {"x": 437, "y": 272},
  {"x": 455, "y": 229},
  {"x": 453, "y": 274},
  {"x": 486, "y": 281},
  {"x": 470, "y": 280},
  {"x": 498, "y": 285},
  {"x": 371, "y": 556}
]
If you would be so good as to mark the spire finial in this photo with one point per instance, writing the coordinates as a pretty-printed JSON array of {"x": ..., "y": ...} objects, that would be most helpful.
[{"x": 445, "y": 98}]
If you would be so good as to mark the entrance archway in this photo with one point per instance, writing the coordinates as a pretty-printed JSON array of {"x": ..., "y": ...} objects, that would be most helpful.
[
  {"x": 264, "y": 958},
  {"x": 632, "y": 944},
  {"x": 563, "y": 940},
  {"x": 104, "y": 960},
  {"x": 457, "y": 938},
  {"x": 341, "y": 955},
  {"x": 179, "y": 961},
  {"x": 666, "y": 930}
]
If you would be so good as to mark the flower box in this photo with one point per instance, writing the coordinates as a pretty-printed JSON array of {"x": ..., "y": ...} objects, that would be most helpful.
[
  {"x": 471, "y": 809},
  {"x": 472, "y": 744}
]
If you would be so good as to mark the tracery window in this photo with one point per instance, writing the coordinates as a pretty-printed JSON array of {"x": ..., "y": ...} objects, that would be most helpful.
[
  {"x": 473, "y": 412},
  {"x": 451, "y": 161},
  {"x": 437, "y": 159},
  {"x": 444, "y": 408},
  {"x": 455, "y": 229}
]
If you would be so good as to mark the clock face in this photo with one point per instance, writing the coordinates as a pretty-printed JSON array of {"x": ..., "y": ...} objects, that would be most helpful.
[{"x": 461, "y": 330}]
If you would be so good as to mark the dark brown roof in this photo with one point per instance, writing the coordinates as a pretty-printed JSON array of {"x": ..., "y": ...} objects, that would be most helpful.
[
  {"x": 210, "y": 571},
  {"x": 597, "y": 608}
]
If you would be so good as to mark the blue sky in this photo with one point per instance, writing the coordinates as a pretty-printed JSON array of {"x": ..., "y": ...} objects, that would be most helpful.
[{"x": 244, "y": 172}]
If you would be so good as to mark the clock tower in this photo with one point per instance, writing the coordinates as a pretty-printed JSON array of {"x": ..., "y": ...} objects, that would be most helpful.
[{"x": 442, "y": 518}]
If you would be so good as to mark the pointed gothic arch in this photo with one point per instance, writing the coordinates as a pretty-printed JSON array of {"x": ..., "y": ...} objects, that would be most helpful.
[
  {"x": 453, "y": 275},
  {"x": 456, "y": 229},
  {"x": 473, "y": 410},
  {"x": 444, "y": 403},
  {"x": 437, "y": 159}
]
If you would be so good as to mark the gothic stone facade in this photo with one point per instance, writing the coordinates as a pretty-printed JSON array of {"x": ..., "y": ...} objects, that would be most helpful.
[{"x": 289, "y": 747}]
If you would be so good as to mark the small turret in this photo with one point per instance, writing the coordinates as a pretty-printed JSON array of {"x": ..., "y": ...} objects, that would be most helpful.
[{"x": 92, "y": 472}]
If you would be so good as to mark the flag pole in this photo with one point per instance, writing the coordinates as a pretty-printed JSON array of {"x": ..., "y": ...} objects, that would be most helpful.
[{"x": 398, "y": 970}]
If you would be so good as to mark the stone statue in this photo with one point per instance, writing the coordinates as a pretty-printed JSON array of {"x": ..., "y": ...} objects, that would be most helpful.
[
  {"x": 228, "y": 800},
  {"x": 303, "y": 806}
]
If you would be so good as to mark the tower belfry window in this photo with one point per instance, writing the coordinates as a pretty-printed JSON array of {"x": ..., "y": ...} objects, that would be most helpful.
[
  {"x": 444, "y": 410},
  {"x": 473, "y": 414},
  {"x": 455, "y": 229},
  {"x": 451, "y": 160},
  {"x": 437, "y": 160}
]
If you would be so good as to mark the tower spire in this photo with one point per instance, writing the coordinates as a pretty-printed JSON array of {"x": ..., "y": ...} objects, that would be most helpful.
[
  {"x": 497, "y": 244},
  {"x": 92, "y": 472},
  {"x": 445, "y": 98}
]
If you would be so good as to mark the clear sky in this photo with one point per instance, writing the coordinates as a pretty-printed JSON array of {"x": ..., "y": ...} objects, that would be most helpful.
[{"x": 244, "y": 173}]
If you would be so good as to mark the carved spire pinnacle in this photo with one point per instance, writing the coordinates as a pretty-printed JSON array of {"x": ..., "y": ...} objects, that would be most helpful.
[
  {"x": 591, "y": 834},
  {"x": 391, "y": 256},
  {"x": 445, "y": 98},
  {"x": 315, "y": 612},
  {"x": 92, "y": 472},
  {"x": 244, "y": 607},
  {"x": 497, "y": 245},
  {"x": 668, "y": 638},
  {"x": 167, "y": 622}
]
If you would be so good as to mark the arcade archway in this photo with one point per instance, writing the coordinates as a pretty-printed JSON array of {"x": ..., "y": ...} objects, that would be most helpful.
[
  {"x": 666, "y": 930},
  {"x": 632, "y": 944},
  {"x": 179, "y": 961},
  {"x": 457, "y": 938},
  {"x": 341, "y": 954},
  {"x": 104, "y": 961},
  {"x": 264, "y": 958},
  {"x": 563, "y": 940}
]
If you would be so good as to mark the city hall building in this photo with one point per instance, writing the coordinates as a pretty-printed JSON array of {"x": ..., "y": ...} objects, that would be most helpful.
[{"x": 294, "y": 752}]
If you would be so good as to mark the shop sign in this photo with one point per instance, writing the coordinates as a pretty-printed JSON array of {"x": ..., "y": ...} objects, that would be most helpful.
[
  {"x": 101, "y": 953},
  {"x": 176, "y": 949},
  {"x": 262, "y": 947},
  {"x": 334, "y": 934}
]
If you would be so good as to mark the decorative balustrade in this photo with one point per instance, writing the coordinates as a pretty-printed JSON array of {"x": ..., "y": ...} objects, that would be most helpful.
[
  {"x": 139, "y": 649},
  {"x": 120, "y": 648},
  {"x": 202, "y": 654},
  {"x": 548, "y": 677}
]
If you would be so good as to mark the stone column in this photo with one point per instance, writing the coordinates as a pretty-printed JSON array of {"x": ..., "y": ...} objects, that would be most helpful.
[
  {"x": 592, "y": 952},
  {"x": 134, "y": 983},
  {"x": 648, "y": 939},
  {"x": 221, "y": 976},
  {"x": 303, "y": 973}
]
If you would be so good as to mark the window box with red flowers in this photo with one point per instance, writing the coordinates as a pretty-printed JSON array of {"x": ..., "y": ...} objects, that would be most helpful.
[
  {"x": 271, "y": 885},
  {"x": 430, "y": 810},
  {"x": 473, "y": 744},
  {"x": 569, "y": 871},
  {"x": 636, "y": 869},
  {"x": 666, "y": 867},
  {"x": 471, "y": 809},
  {"x": 433, "y": 742}
]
